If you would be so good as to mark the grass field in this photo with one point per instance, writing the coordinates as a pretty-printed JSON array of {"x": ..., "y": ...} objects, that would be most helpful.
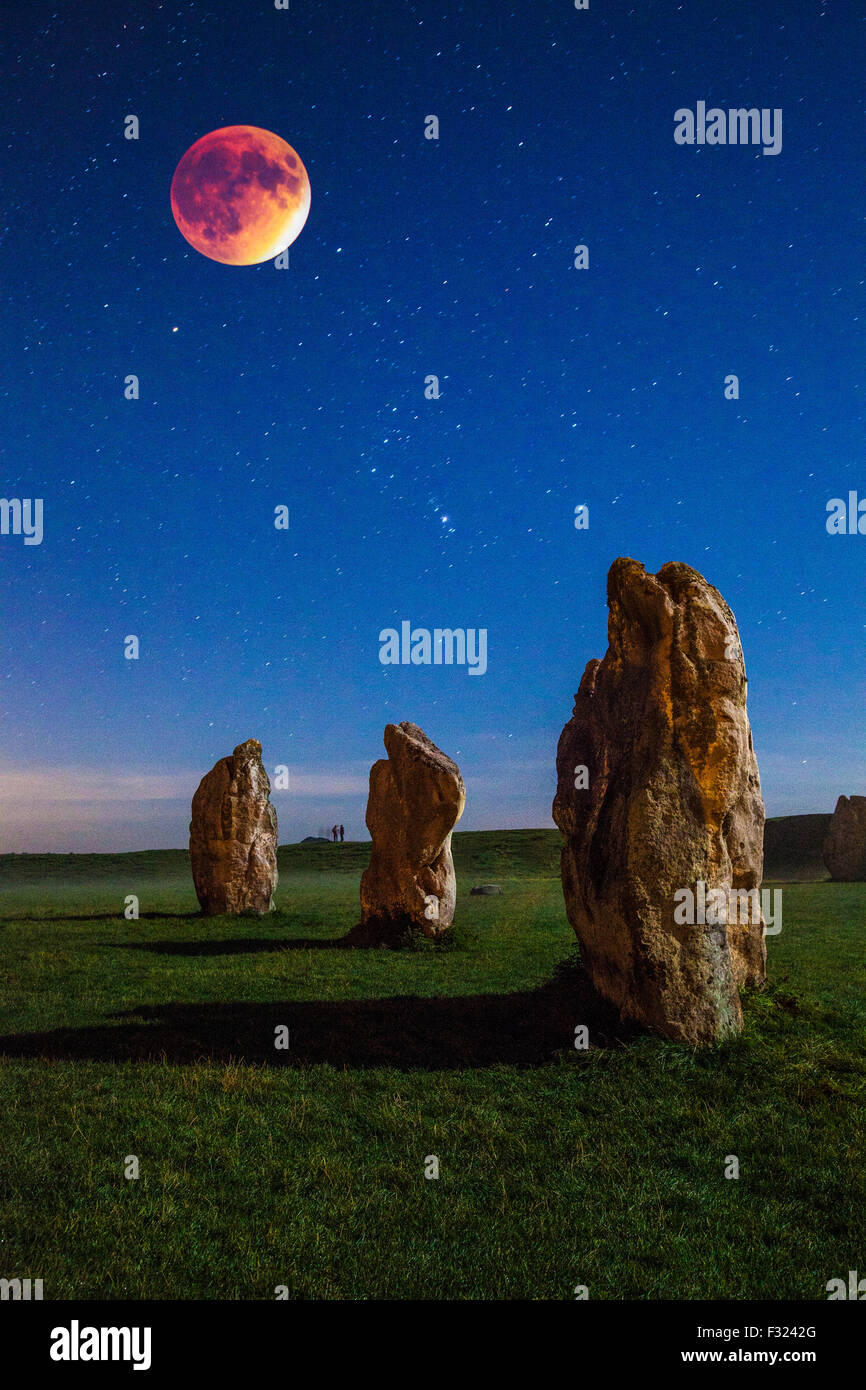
[{"x": 305, "y": 1167}]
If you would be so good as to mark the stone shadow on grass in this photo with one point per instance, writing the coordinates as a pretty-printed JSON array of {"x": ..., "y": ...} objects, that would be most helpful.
[
  {"x": 362, "y": 937},
  {"x": 526, "y": 1028},
  {"x": 232, "y": 945}
]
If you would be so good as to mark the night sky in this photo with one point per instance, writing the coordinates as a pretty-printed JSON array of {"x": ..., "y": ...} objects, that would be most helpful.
[{"x": 305, "y": 387}]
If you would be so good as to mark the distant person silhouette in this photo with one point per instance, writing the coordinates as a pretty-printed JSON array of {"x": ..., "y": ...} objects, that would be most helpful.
[
  {"x": 342, "y": 834},
  {"x": 334, "y": 833}
]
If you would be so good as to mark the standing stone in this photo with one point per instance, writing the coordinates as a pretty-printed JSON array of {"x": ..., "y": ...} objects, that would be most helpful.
[
  {"x": 845, "y": 845},
  {"x": 658, "y": 790},
  {"x": 416, "y": 798},
  {"x": 233, "y": 835}
]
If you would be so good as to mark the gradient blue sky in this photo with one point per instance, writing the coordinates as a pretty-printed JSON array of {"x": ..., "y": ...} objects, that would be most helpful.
[{"x": 306, "y": 387}]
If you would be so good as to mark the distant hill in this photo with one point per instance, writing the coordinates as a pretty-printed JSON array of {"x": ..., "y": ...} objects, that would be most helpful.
[
  {"x": 792, "y": 850},
  {"x": 524, "y": 853},
  {"x": 792, "y": 846}
]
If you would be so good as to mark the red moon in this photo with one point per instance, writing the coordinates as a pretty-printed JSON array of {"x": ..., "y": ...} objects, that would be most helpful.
[{"x": 240, "y": 195}]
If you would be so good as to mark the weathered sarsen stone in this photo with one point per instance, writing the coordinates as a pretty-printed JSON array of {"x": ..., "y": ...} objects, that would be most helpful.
[
  {"x": 233, "y": 835},
  {"x": 845, "y": 845},
  {"x": 670, "y": 798},
  {"x": 416, "y": 798}
]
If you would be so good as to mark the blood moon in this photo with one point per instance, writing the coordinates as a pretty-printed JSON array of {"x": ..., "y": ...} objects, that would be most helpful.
[{"x": 240, "y": 195}]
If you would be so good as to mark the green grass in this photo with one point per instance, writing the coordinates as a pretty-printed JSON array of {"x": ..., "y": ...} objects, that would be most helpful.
[{"x": 306, "y": 1168}]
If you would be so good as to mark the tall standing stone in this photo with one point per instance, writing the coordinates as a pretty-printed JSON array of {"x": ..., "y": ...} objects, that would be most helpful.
[
  {"x": 416, "y": 798},
  {"x": 658, "y": 791},
  {"x": 845, "y": 845},
  {"x": 233, "y": 835}
]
